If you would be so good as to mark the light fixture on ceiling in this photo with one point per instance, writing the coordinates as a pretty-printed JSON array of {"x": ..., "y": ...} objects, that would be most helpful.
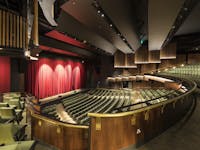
[
  {"x": 102, "y": 15},
  {"x": 111, "y": 25},
  {"x": 196, "y": 48},
  {"x": 82, "y": 61},
  {"x": 98, "y": 11},
  {"x": 123, "y": 39},
  {"x": 37, "y": 54},
  {"x": 1, "y": 48},
  {"x": 84, "y": 41},
  {"x": 185, "y": 8}
]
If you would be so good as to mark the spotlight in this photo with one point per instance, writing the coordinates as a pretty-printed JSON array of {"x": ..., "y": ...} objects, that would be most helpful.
[
  {"x": 37, "y": 55},
  {"x": 102, "y": 15},
  {"x": 82, "y": 61},
  {"x": 196, "y": 48},
  {"x": 84, "y": 41},
  {"x": 182, "y": 65},
  {"x": 98, "y": 11},
  {"x": 111, "y": 25},
  {"x": 1, "y": 48},
  {"x": 185, "y": 8}
]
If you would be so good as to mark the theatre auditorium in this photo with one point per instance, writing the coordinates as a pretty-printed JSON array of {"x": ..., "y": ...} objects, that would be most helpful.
[{"x": 99, "y": 74}]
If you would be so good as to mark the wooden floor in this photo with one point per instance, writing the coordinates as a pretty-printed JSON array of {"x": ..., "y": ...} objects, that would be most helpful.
[{"x": 185, "y": 135}]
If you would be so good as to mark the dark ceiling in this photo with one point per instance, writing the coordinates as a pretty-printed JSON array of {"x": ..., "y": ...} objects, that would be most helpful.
[{"x": 109, "y": 25}]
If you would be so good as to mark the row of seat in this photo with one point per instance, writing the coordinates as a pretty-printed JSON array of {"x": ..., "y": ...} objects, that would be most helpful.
[
  {"x": 11, "y": 107},
  {"x": 79, "y": 105},
  {"x": 191, "y": 72}
]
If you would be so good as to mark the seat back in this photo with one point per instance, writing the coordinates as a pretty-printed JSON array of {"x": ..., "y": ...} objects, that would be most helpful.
[
  {"x": 6, "y": 135},
  {"x": 7, "y": 113},
  {"x": 15, "y": 102},
  {"x": 4, "y": 105}
]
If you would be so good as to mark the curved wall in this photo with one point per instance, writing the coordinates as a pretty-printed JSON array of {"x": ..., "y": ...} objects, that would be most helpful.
[{"x": 115, "y": 131}]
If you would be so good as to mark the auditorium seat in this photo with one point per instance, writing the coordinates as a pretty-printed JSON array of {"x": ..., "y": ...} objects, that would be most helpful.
[
  {"x": 78, "y": 105},
  {"x": 22, "y": 145},
  {"x": 11, "y": 133},
  {"x": 8, "y": 113}
]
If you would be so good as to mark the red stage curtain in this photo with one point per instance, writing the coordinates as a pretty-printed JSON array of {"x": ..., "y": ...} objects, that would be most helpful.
[
  {"x": 4, "y": 74},
  {"x": 47, "y": 77}
]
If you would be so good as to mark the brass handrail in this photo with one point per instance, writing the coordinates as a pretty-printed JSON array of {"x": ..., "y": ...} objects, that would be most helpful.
[{"x": 147, "y": 107}]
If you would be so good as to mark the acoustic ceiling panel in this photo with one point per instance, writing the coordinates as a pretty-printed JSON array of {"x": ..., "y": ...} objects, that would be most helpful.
[
  {"x": 121, "y": 14},
  {"x": 69, "y": 25},
  {"x": 161, "y": 16},
  {"x": 85, "y": 13}
]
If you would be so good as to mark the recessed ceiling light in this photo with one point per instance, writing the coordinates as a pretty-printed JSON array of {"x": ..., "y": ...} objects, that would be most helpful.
[
  {"x": 102, "y": 15},
  {"x": 84, "y": 41},
  {"x": 1, "y": 48},
  {"x": 111, "y": 25},
  {"x": 37, "y": 55},
  {"x": 196, "y": 48},
  {"x": 99, "y": 11},
  {"x": 185, "y": 8}
]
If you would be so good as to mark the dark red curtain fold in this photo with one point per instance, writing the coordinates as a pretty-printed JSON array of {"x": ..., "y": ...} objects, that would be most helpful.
[
  {"x": 47, "y": 77},
  {"x": 4, "y": 74}
]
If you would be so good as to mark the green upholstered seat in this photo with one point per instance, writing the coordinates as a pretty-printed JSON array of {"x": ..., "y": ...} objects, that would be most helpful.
[
  {"x": 11, "y": 133},
  {"x": 24, "y": 145},
  {"x": 8, "y": 113},
  {"x": 4, "y": 105}
]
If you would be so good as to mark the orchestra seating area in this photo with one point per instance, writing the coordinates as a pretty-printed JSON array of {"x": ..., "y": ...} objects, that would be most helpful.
[
  {"x": 98, "y": 74},
  {"x": 106, "y": 101}
]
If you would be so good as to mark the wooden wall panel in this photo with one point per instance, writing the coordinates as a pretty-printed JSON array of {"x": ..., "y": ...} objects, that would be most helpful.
[
  {"x": 180, "y": 59},
  {"x": 122, "y": 60},
  {"x": 154, "y": 56},
  {"x": 130, "y": 60},
  {"x": 119, "y": 59},
  {"x": 147, "y": 68},
  {"x": 141, "y": 56},
  {"x": 168, "y": 52},
  {"x": 193, "y": 58},
  {"x": 137, "y": 128},
  {"x": 60, "y": 136},
  {"x": 12, "y": 30}
]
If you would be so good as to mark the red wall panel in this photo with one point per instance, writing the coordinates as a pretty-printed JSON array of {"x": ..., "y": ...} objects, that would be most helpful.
[{"x": 4, "y": 74}]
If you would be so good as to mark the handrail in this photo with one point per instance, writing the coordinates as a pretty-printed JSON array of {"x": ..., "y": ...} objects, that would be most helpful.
[
  {"x": 147, "y": 101},
  {"x": 147, "y": 107},
  {"x": 46, "y": 119}
]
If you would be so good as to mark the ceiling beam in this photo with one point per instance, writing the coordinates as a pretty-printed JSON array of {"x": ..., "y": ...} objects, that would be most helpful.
[{"x": 161, "y": 17}]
